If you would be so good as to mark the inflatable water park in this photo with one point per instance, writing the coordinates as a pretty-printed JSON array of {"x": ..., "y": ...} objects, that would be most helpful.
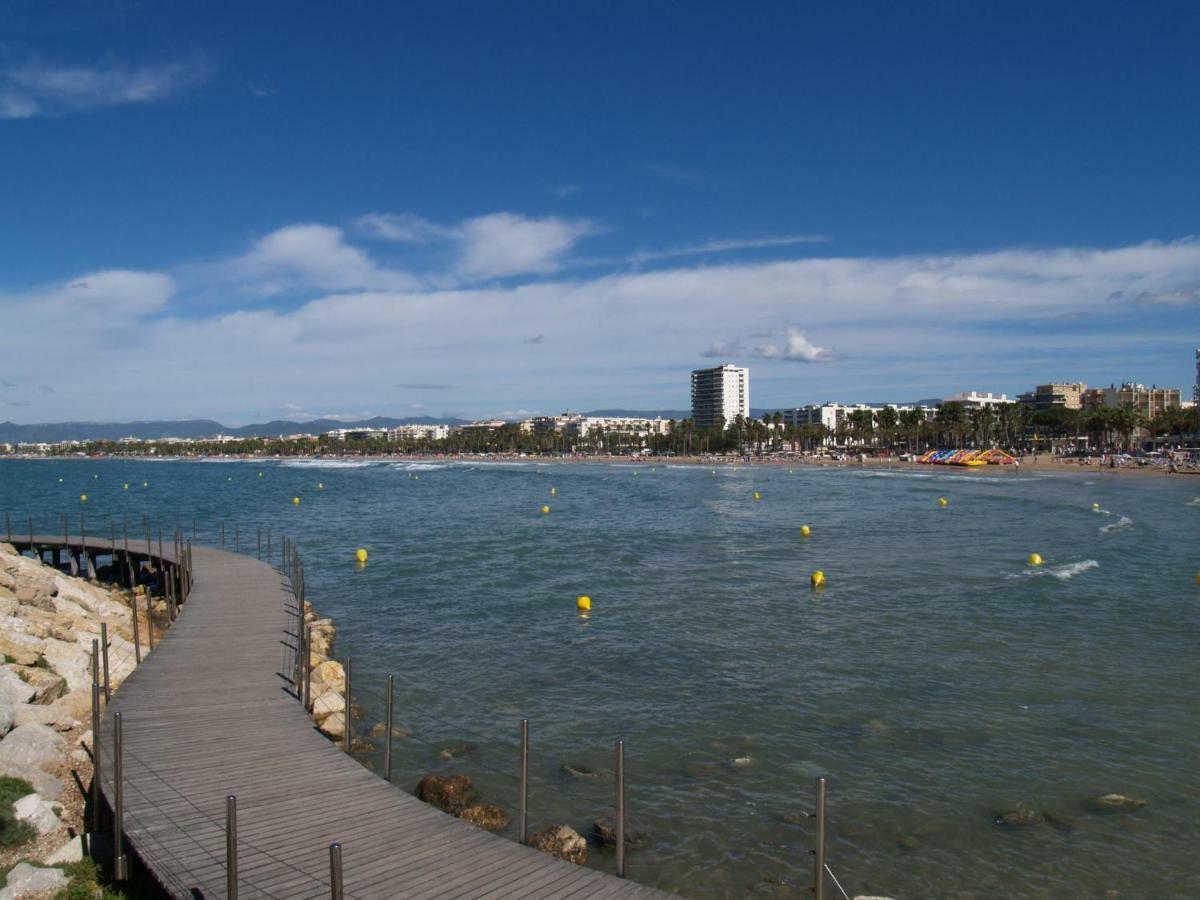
[{"x": 993, "y": 457}]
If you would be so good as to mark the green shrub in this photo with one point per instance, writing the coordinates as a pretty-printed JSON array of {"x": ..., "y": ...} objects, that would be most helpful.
[{"x": 13, "y": 832}]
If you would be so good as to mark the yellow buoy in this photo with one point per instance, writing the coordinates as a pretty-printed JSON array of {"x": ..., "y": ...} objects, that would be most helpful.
[
  {"x": 1198, "y": 579},
  {"x": 757, "y": 495},
  {"x": 361, "y": 555},
  {"x": 805, "y": 530},
  {"x": 83, "y": 498},
  {"x": 320, "y": 485},
  {"x": 1035, "y": 559},
  {"x": 125, "y": 486},
  {"x": 260, "y": 474},
  {"x": 295, "y": 501},
  {"x": 145, "y": 484},
  {"x": 1096, "y": 507},
  {"x": 553, "y": 491},
  {"x": 545, "y": 510},
  {"x": 583, "y": 603},
  {"x": 818, "y": 579},
  {"x": 942, "y": 501}
]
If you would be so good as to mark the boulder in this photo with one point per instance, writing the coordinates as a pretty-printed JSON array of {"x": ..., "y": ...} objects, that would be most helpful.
[
  {"x": 1019, "y": 818},
  {"x": 561, "y": 841},
  {"x": 13, "y": 688},
  {"x": 328, "y": 704},
  {"x": 333, "y": 726},
  {"x": 585, "y": 773},
  {"x": 606, "y": 831},
  {"x": 25, "y": 880},
  {"x": 23, "y": 649},
  {"x": 53, "y": 716},
  {"x": 398, "y": 731},
  {"x": 8, "y": 602},
  {"x": 1116, "y": 803},
  {"x": 449, "y": 793},
  {"x": 70, "y": 852},
  {"x": 47, "y": 686},
  {"x": 39, "y": 595},
  {"x": 42, "y": 782},
  {"x": 70, "y": 661},
  {"x": 6, "y": 718},
  {"x": 485, "y": 816},
  {"x": 33, "y": 745},
  {"x": 42, "y": 814},
  {"x": 329, "y": 676},
  {"x": 456, "y": 750}
]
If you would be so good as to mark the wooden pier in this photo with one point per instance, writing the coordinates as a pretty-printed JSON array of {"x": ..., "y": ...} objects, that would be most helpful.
[{"x": 212, "y": 712}]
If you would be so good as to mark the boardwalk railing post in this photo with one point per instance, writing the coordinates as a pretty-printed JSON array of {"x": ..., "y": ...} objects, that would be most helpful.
[
  {"x": 819, "y": 853},
  {"x": 162, "y": 567},
  {"x": 95, "y": 744},
  {"x": 231, "y": 860},
  {"x": 307, "y": 697},
  {"x": 620, "y": 809},
  {"x": 523, "y": 825},
  {"x": 149, "y": 624},
  {"x": 387, "y": 747},
  {"x": 335, "y": 872},
  {"x": 348, "y": 737},
  {"x": 119, "y": 868},
  {"x": 268, "y": 543},
  {"x": 137, "y": 641},
  {"x": 104, "y": 655},
  {"x": 86, "y": 559}
]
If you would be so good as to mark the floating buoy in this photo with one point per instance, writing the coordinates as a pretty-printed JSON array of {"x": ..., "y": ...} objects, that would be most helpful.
[
  {"x": 583, "y": 603},
  {"x": 320, "y": 485},
  {"x": 942, "y": 501},
  {"x": 805, "y": 530},
  {"x": 545, "y": 510},
  {"x": 553, "y": 491},
  {"x": 260, "y": 474},
  {"x": 96, "y": 475},
  {"x": 83, "y": 498},
  {"x": 1198, "y": 579},
  {"x": 361, "y": 555},
  {"x": 295, "y": 501},
  {"x": 145, "y": 484},
  {"x": 60, "y": 481},
  {"x": 757, "y": 495},
  {"x": 230, "y": 478},
  {"x": 818, "y": 579},
  {"x": 1035, "y": 559},
  {"x": 1096, "y": 507},
  {"x": 125, "y": 486}
]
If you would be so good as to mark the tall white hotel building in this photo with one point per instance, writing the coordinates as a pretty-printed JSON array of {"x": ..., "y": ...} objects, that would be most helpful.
[{"x": 719, "y": 395}]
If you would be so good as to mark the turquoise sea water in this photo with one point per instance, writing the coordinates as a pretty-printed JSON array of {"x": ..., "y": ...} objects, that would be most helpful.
[{"x": 937, "y": 680}]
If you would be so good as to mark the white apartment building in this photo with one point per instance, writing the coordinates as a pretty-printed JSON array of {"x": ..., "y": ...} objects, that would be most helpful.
[
  {"x": 419, "y": 433},
  {"x": 975, "y": 400},
  {"x": 578, "y": 425},
  {"x": 720, "y": 395}
]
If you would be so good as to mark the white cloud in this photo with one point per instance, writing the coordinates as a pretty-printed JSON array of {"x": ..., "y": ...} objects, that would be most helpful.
[
  {"x": 726, "y": 246},
  {"x": 313, "y": 257},
  {"x": 795, "y": 347},
  {"x": 497, "y": 245},
  {"x": 38, "y": 88}
]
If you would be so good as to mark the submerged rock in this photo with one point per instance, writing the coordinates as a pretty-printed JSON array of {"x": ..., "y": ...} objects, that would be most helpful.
[
  {"x": 1116, "y": 803},
  {"x": 486, "y": 816},
  {"x": 456, "y": 751},
  {"x": 583, "y": 773},
  {"x": 379, "y": 729},
  {"x": 606, "y": 831},
  {"x": 561, "y": 841},
  {"x": 1019, "y": 818},
  {"x": 449, "y": 793}
]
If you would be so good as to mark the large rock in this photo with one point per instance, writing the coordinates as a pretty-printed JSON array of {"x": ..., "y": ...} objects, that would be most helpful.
[
  {"x": 333, "y": 726},
  {"x": 22, "y": 648},
  {"x": 71, "y": 851},
  {"x": 37, "y": 594},
  {"x": 47, "y": 686},
  {"x": 635, "y": 834},
  {"x": 42, "y": 782},
  {"x": 327, "y": 704},
  {"x": 42, "y": 814},
  {"x": 329, "y": 676},
  {"x": 25, "y": 880},
  {"x": 1019, "y": 818},
  {"x": 70, "y": 661},
  {"x": 485, "y": 816},
  {"x": 13, "y": 688},
  {"x": 561, "y": 841},
  {"x": 56, "y": 716},
  {"x": 33, "y": 745},
  {"x": 449, "y": 793},
  {"x": 6, "y": 718}
]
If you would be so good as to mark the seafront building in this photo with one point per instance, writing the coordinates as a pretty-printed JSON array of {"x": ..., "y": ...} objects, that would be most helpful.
[
  {"x": 579, "y": 425},
  {"x": 419, "y": 433},
  {"x": 977, "y": 400},
  {"x": 1067, "y": 395},
  {"x": 720, "y": 395},
  {"x": 1147, "y": 401}
]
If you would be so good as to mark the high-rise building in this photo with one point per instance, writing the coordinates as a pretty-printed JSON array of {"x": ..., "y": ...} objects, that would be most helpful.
[
  {"x": 1149, "y": 401},
  {"x": 719, "y": 395},
  {"x": 1196, "y": 386},
  {"x": 1046, "y": 396}
]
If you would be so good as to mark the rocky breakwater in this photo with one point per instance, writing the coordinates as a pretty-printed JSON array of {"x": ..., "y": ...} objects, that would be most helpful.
[
  {"x": 328, "y": 684},
  {"x": 48, "y": 622}
]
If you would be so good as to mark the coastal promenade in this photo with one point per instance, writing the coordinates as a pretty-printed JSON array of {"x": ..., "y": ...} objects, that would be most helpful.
[{"x": 211, "y": 713}]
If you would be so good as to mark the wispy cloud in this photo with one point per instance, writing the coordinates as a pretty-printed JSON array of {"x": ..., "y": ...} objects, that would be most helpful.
[
  {"x": 568, "y": 190},
  {"x": 791, "y": 344},
  {"x": 497, "y": 245},
  {"x": 673, "y": 173},
  {"x": 726, "y": 245},
  {"x": 44, "y": 89},
  {"x": 425, "y": 386}
]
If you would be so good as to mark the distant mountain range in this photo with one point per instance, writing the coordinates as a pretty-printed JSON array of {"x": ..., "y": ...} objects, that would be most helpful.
[{"x": 53, "y": 432}]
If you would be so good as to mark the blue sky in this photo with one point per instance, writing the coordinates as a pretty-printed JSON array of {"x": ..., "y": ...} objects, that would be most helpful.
[{"x": 279, "y": 209}]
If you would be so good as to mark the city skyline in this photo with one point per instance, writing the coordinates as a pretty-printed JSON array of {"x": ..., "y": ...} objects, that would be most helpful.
[{"x": 577, "y": 208}]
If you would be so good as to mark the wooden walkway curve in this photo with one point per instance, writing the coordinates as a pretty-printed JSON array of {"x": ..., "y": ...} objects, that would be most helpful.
[{"x": 209, "y": 713}]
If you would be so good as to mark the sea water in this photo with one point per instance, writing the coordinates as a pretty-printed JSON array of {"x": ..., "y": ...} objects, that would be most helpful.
[{"x": 937, "y": 680}]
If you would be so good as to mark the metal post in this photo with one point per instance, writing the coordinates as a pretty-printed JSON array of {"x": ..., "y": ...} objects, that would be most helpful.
[
  {"x": 620, "y": 809},
  {"x": 335, "y": 872},
  {"x": 523, "y": 825},
  {"x": 104, "y": 654},
  {"x": 161, "y": 565},
  {"x": 387, "y": 724},
  {"x": 149, "y": 624},
  {"x": 86, "y": 558},
  {"x": 308, "y": 667},
  {"x": 819, "y": 854},
  {"x": 95, "y": 745},
  {"x": 137, "y": 641},
  {"x": 119, "y": 869},
  {"x": 231, "y": 862},
  {"x": 347, "y": 738},
  {"x": 268, "y": 543}
]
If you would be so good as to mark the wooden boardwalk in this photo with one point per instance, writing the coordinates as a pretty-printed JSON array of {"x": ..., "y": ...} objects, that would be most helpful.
[{"x": 210, "y": 713}]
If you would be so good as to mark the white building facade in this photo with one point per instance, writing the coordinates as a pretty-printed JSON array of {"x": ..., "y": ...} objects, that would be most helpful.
[{"x": 720, "y": 395}]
